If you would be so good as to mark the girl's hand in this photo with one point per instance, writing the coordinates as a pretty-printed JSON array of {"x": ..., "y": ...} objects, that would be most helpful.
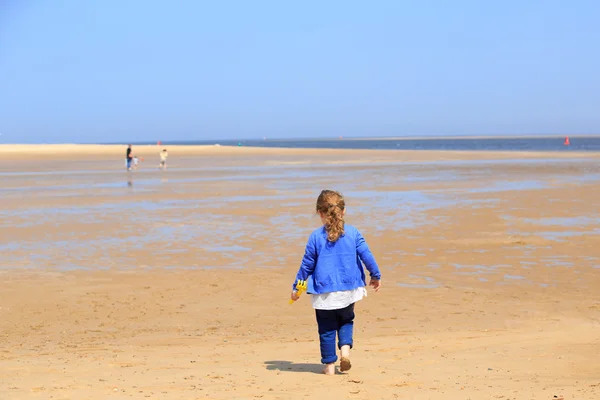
[
  {"x": 294, "y": 295},
  {"x": 376, "y": 283}
]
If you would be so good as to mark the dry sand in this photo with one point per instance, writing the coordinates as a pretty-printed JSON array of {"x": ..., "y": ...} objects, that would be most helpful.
[{"x": 174, "y": 285}]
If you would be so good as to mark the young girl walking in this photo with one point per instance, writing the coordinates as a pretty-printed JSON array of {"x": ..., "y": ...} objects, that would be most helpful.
[{"x": 336, "y": 279}]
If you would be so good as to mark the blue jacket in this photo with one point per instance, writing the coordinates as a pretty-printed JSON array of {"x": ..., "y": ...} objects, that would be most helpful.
[{"x": 336, "y": 266}]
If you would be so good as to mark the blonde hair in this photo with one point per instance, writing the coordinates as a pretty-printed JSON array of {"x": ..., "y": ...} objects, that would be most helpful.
[{"x": 331, "y": 206}]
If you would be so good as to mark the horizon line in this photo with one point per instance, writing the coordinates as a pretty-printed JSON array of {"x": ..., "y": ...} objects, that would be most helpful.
[{"x": 321, "y": 138}]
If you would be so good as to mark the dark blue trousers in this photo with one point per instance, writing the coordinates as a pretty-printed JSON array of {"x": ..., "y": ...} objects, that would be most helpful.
[{"x": 330, "y": 323}]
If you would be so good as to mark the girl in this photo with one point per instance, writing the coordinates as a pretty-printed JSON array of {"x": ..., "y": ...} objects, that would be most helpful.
[{"x": 336, "y": 278}]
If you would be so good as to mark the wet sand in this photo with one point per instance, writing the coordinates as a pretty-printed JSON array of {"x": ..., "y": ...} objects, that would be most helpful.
[{"x": 174, "y": 284}]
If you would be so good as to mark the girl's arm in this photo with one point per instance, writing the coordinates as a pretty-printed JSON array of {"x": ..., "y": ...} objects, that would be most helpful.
[
  {"x": 309, "y": 261},
  {"x": 367, "y": 257}
]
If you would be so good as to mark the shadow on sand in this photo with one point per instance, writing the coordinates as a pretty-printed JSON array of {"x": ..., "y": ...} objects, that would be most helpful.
[{"x": 289, "y": 366}]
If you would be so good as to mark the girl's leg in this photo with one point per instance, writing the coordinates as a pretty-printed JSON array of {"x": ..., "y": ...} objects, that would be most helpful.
[
  {"x": 345, "y": 335},
  {"x": 327, "y": 323}
]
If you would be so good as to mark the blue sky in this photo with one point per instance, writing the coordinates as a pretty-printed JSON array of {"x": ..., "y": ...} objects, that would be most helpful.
[{"x": 133, "y": 70}]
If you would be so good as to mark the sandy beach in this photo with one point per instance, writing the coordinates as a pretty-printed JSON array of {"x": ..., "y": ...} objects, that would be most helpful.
[{"x": 175, "y": 284}]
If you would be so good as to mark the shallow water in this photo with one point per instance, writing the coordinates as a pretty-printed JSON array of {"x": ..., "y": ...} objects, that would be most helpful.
[
  {"x": 422, "y": 282},
  {"x": 230, "y": 213},
  {"x": 503, "y": 186}
]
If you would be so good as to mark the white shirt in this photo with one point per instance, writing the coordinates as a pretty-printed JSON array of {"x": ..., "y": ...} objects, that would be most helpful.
[{"x": 337, "y": 300}]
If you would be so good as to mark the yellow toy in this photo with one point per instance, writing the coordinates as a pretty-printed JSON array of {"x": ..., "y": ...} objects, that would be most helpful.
[{"x": 300, "y": 287}]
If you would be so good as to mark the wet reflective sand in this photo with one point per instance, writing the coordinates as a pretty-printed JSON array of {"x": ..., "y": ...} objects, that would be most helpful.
[{"x": 174, "y": 284}]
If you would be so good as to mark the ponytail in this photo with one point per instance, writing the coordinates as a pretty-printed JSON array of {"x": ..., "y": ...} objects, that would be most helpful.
[{"x": 331, "y": 205}]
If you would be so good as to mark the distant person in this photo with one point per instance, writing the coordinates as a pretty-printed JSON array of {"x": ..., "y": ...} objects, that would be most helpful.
[
  {"x": 163, "y": 159},
  {"x": 128, "y": 158},
  {"x": 332, "y": 259}
]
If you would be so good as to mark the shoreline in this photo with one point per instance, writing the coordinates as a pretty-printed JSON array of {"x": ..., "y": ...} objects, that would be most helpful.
[{"x": 230, "y": 142}]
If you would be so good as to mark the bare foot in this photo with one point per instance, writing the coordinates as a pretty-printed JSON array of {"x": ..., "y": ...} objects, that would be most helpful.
[
  {"x": 329, "y": 369},
  {"x": 345, "y": 363}
]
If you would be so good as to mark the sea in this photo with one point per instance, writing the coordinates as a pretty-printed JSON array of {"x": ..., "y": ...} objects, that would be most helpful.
[{"x": 579, "y": 144}]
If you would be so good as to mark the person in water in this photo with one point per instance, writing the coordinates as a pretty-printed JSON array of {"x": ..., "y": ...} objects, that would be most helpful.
[
  {"x": 336, "y": 278},
  {"x": 128, "y": 158},
  {"x": 163, "y": 159}
]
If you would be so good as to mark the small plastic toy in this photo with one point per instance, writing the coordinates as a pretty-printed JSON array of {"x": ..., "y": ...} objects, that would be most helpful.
[{"x": 300, "y": 287}]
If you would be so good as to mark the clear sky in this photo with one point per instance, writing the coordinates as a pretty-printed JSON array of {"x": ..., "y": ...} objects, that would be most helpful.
[{"x": 133, "y": 70}]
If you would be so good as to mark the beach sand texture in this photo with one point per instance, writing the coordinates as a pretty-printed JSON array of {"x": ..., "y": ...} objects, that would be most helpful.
[{"x": 175, "y": 284}]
